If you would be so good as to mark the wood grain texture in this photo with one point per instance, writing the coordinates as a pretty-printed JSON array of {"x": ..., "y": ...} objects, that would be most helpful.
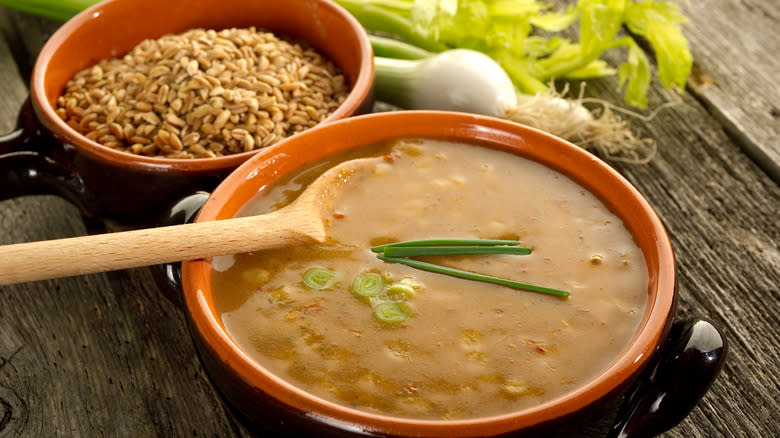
[
  {"x": 736, "y": 49},
  {"x": 108, "y": 355}
]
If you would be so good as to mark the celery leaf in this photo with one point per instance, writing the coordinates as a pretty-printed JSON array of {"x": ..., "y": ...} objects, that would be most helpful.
[
  {"x": 635, "y": 73},
  {"x": 659, "y": 23}
]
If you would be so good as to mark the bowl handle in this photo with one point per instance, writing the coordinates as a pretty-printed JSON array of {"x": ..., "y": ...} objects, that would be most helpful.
[
  {"x": 168, "y": 275},
  {"x": 689, "y": 362},
  {"x": 27, "y": 167}
]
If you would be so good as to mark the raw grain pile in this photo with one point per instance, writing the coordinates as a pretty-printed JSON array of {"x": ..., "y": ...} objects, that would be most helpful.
[{"x": 203, "y": 93}]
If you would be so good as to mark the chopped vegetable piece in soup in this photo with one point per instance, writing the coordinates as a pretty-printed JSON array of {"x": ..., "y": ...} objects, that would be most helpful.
[
  {"x": 401, "y": 341},
  {"x": 368, "y": 284},
  {"x": 319, "y": 278}
]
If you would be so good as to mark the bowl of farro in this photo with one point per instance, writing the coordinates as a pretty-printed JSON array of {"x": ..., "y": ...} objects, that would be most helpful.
[{"x": 135, "y": 103}]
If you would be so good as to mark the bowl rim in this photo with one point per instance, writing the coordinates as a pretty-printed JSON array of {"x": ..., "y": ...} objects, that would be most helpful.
[
  {"x": 480, "y": 129},
  {"x": 46, "y": 114}
]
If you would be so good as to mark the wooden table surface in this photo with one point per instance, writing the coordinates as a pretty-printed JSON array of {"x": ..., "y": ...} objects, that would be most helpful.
[{"x": 107, "y": 354}]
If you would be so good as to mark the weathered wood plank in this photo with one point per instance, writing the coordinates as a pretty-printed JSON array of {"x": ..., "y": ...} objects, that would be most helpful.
[
  {"x": 14, "y": 89},
  {"x": 736, "y": 48},
  {"x": 26, "y": 34}
]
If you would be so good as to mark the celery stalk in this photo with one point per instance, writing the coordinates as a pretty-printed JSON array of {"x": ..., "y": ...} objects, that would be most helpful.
[
  {"x": 378, "y": 17},
  {"x": 395, "y": 49}
]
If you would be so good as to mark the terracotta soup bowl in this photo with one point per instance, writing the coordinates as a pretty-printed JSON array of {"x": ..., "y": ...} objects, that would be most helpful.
[
  {"x": 277, "y": 404},
  {"x": 45, "y": 155}
]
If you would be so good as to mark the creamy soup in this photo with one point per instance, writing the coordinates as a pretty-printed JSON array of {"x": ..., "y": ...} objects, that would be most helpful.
[{"x": 464, "y": 348}]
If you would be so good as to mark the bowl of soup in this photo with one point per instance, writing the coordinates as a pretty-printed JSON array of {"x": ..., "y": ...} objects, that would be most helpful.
[
  {"x": 135, "y": 103},
  {"x": 346, "y": 337}
]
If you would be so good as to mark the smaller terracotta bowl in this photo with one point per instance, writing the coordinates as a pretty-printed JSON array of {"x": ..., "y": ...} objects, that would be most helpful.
[
  {"x": 47, "y": 156},
  {"x": 266, "y": 398}
]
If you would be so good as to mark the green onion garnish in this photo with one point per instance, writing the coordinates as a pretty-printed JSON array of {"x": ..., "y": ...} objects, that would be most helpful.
[
  {"x": 400, "y": 291},
  {"x": 319, "y": 278},
  {"x": 472, "y": 276},
  {"x": 368, "y": 284},
  {"x": 392, "y": 313},
  {"x": 414, "y": 251},
  {"x": 446, "y": 242}
]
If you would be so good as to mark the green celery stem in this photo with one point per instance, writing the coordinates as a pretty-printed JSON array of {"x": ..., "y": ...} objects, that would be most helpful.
[
  {"x": 61, "y": 10},
  {"x": 375, "y": 18},
  {"x": 396, "y": 49}
]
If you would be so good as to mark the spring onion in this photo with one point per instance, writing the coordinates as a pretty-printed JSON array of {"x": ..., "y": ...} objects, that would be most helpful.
[
  {"x": 368, "y": 284},
  {"x": 469, "y": 81},
  {"x": 454, "y": 80},
  {"x": 391, "y": 312},
  {"x": 319, "y": 278},
  {"x": 472, "y": 275}
]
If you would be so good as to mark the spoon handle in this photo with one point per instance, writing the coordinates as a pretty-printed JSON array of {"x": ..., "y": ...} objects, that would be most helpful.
[{"x": 128, "y": 249}]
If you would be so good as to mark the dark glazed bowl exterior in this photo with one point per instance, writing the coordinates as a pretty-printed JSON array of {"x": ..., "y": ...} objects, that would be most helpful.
[
  {"x": 273, "y": 402},
  {"x": 122, "y": 186}
]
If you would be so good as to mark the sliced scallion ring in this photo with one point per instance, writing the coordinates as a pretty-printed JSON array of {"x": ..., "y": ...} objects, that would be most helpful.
[
  {"x": 392, "y": 313},
  {"x": 319, "y": 278},
  {"x": 400, "y": 291},
  {"x": 368, "y": 284}
]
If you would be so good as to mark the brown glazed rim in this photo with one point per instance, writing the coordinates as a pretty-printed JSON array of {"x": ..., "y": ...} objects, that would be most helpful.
[
  {"x": 570, "y": 160},
  {"x": 43, "y": 97}
]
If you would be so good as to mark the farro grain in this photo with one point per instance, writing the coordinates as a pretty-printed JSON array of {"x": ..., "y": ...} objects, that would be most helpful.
[
  {"x": 116, "y": 130},
  {"x": 190, "y": 139},
  {"x": 176, "y": 143},
  {"x": 203, "y": 93}
]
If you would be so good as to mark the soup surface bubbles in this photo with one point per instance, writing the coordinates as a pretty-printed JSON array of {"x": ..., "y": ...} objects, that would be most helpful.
[{"x": 467, "y": 349}]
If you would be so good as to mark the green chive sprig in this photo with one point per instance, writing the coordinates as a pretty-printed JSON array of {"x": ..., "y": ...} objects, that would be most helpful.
[
  {"x": 400, "y": 252},
  {"x": 446, "y": 242},
  {"x": 415, "y": 251}
]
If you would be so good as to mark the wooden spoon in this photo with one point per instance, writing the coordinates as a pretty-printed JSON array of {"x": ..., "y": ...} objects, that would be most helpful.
[{"x": 301, "y": 222}]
